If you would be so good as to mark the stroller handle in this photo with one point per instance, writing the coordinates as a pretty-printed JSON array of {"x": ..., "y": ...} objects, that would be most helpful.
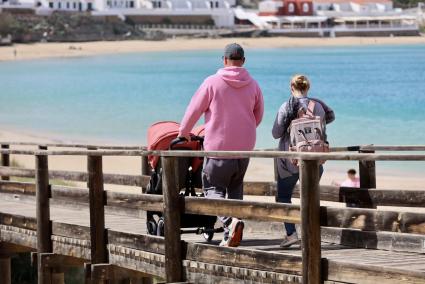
[{"x": 179, "y": 140}]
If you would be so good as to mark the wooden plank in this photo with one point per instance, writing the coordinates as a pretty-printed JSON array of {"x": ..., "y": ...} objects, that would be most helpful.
[
  {"x": 142, "y": 261},
  {"x": 148, "y": 202},
  {"x": 5, "y": 160},
  {"x": 5, "y": 269},
  {"x": 260, "y": 211},
  {"x": 367, "y": 172},
  {"x": 369, "y": 274},
  {"x": 21, "y": 237},
  {"x": 259, "y": 188},
  {"x": 97, "y": 210},
  {"x": 71, "y": 230},
  {"x": 13, "y": 187},
  {"x": 377, "y": 197},
  {"x": 242, "y": 257},
  {"x": 44, "y": 229},
  {"x": 374, "y": 240},
  {"x": 373, "y": 220},
  {"x": 77, "y": 248},
  {"x": 121, "y": 179},
  {"x": 75, "y": 145},
  {"x": 111, "y": 272},
  {"x": 18, "y": 221},
  {"x": 147, "y": 243},
  {"x": 230, "y": 154},
  {"x": 310, "y": 222},
  {"x": 172, "y": 214}
]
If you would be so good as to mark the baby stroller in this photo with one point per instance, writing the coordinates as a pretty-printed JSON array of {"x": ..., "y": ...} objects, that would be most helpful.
[{"x": 163, "y": 136}]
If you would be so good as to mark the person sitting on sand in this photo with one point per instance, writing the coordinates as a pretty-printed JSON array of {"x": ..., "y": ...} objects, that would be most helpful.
[
  {"x": 232, "y": 102},
  {"x": 288, "y": 173},
  {"x": 352, "y": 180}
]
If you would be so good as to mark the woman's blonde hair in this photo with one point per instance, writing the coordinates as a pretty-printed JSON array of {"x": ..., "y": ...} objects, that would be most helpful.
[{"x": 300, "y": 85}]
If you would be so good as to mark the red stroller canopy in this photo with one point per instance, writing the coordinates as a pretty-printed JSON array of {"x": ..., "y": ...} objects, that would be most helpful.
[{"x": 161, "y": 134}]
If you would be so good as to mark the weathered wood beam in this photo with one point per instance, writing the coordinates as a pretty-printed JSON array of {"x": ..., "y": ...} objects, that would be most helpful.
[
  {"x": 374, "y": 240},
  {"x": 5, "y": 161},
  {"x": 74, "y": 145},
  {"x": 142, "y": 261},
  {"x": 121, "y": 179},
  {"x": 21, "y": 237},
  {"x": 147, "y": 243},
  {"x": 242, "y": 257},
  {"x": 310, "y": 222},
  {"x": 98, "y": 235},
  {"x": 54, "y": 260},
  {"x": 373, "y": 220},
  {"x": 260, "y": 211},
  {"x": 359, "y": 196},
  {"x": 44, "y": 229},
  {"x": 71, "y": 230},
  {"x": 172, "y": 215},
  {"x": 5, "y": 268},
  {"x": 367, "y": 172},
  {"x": 24, "y": 222},
  {"x": 106, "y": 271},
  {"x": 229, "y": 154},
  {"x": 369, "y": 274},
  {"x": 148, "y": 202},
  {"x": 11, "y": 248}
]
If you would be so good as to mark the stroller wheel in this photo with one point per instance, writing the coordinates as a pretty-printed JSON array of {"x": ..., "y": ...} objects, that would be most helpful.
[
  {"x": 160, "y": 229},
  {"x": 151, "y": 227},
  {"x": 208, "y": 236}
]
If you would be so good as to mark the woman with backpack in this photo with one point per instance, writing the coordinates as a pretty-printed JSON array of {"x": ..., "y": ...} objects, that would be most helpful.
[{"x": 298, "y": 105}]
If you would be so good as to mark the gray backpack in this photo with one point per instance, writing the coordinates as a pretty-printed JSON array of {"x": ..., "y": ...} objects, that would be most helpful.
[{"x": 307, "y": 133}]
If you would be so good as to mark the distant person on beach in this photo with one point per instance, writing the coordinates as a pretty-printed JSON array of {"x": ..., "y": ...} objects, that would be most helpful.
[
  {"x": 288, "y": 173},
  {"x": 232, "y": 102},
  {"x": 352, "y": 180}
]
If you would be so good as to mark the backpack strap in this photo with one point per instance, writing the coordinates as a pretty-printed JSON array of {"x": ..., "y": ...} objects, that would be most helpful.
[{"x": 310, "y": 107}]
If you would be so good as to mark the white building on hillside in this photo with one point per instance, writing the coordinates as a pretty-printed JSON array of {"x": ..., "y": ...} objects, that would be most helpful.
[
  {"x": 199, "y": 12},
  {"x": 357, "y": 6}
]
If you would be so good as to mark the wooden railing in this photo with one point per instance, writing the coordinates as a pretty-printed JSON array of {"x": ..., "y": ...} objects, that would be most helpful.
[{"x": 309, "y": 214}]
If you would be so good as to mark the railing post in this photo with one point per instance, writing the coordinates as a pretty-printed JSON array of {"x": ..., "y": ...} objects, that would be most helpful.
[
  {"x": 145, "y": 166},
  {"x": 172, "y": 210},
  {"x": 310, "y": 221},
  {"x": 44, "y": 228},
  {"x": 5, "y": 160},
  {"x": 367, "y": 172},
  {"x": 97, "y": 210},
  {"x": 5, "y": 269}
]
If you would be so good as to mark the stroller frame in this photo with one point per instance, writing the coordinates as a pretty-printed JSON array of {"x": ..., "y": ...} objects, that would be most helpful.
[{"x": 190, "y": 223}]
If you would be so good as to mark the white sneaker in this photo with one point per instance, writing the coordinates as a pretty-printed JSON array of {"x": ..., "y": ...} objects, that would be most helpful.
[
  {"x": 235, "y": 234},
  {"x": 223, "y": 243},
  {"x": 290, "y": 240}
]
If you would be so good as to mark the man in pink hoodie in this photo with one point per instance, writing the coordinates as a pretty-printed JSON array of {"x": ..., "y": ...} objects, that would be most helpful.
[{"x": 233, "y": 106}]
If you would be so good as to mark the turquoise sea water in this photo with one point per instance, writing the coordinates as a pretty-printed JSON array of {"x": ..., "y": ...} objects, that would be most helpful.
[{"x": 377, "y": 92}]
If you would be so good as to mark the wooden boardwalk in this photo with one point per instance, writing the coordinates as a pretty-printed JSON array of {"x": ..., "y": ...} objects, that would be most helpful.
[{"x": 107, "y": 234}]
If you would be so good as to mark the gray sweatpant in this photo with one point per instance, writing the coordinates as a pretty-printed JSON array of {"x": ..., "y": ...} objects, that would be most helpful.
[{"x": 221, "y": 176}]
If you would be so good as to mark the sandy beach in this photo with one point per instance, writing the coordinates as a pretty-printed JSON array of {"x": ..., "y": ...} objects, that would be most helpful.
[
  {"x": 61, "y": 50},
  {"x": 259, "y": 169}
]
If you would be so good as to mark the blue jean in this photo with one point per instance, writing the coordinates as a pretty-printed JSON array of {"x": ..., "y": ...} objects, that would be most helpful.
[{"x": 285, "y": 188}]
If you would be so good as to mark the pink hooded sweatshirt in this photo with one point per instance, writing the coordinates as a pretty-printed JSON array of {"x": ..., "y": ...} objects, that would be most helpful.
[{"x": 233, "y": 105}]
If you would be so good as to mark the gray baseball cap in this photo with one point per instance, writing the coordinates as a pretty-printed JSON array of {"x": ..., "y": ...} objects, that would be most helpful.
[{"x": 234, "y": 51}]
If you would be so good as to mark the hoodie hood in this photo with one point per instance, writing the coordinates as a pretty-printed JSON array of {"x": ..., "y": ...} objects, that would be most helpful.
[{"x": 236, "y": 77}]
